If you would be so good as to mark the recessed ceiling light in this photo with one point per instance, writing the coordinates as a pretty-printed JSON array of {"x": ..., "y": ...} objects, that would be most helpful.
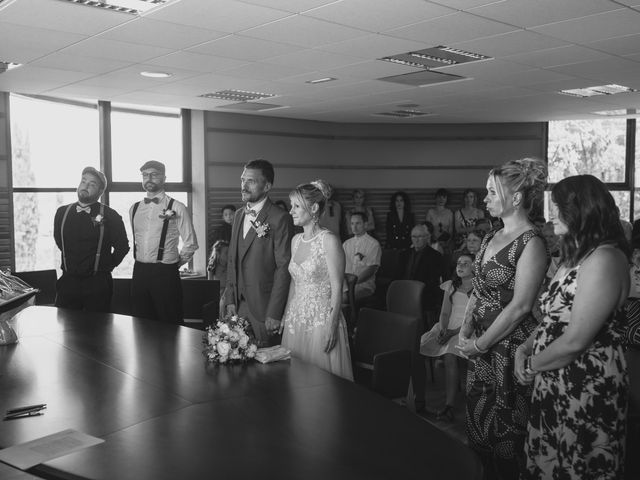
[
  {"x": 156, "y": 74},
  {"x": 237, "y": 95},
  {"x": 610, "y": 89},
  {"x": 321, "y": 80}
]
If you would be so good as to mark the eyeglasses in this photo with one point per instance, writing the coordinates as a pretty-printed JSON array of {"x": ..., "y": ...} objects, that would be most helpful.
[
  {"x": 464, "y": 263},
  {"x": 152, "y": 175}
]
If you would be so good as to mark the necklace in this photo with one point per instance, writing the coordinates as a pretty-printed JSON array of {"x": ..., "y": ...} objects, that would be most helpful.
[{"x": 314, "y": 234}]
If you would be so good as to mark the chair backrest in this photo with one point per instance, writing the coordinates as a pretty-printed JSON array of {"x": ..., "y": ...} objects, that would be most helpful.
[
  {"x": 349, "y": 308},
  {"x": 196, "y": 293},
  {"x": 379, "y": 331},
  {"x": 406, "y": 297},
  {"x": 43, "y": 280}
]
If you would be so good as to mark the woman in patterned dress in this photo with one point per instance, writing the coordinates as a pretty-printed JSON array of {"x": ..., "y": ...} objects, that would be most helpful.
[
  {"x": 313, "y": 327},
  {"x": 575, "y": 358},
  {"x": 508, "y": 272}
]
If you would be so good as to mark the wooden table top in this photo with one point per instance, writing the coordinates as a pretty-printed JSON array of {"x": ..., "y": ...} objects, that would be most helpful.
[{"x": 144, "y": 388}]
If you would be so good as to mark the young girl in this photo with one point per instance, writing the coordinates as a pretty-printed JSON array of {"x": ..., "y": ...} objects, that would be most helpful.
[{"x": 443, "y": 337}]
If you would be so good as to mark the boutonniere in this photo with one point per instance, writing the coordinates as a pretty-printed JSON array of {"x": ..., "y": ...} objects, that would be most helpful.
[
  {"x": 97, "y": 220},
  {"x": 167, "y": 213},
  {"x": 261, "y": 228},
  {"x": 359, "y": 256}
]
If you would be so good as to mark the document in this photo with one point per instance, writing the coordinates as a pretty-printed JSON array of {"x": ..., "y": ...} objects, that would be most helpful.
[{"x": 29, "y": 454}]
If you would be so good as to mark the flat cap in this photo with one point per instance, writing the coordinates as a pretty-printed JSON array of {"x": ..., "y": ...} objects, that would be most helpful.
[
  {"x": 153, "y": 164},
  {"x": 98, "y": 174}
]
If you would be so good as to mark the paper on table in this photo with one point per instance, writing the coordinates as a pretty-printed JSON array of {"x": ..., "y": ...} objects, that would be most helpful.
[{"x": 29, "y": 454}]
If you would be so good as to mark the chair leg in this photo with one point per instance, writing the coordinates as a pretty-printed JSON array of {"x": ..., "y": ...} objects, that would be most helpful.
[{"x": 411, "y": 397}]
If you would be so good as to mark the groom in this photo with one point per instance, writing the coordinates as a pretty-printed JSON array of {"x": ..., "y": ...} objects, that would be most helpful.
[{"x": 259, "y": 253}]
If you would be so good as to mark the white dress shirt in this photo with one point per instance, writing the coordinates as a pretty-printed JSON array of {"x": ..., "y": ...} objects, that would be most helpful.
[
  {"x": 246, "y": 226},
  {"x": 147, "y": 230}
]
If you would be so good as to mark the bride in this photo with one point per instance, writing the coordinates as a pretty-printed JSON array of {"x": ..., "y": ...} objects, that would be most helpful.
[{"x": 313, "y": 326}]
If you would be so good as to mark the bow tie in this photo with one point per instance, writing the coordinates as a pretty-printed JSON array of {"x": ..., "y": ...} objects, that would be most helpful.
[
  {"x": 250, "y": 212},
  {"x": 155, "y": 200},
  {"x": 86, "y": 209}
]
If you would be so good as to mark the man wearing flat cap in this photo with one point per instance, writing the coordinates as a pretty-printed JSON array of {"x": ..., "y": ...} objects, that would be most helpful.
[
  {"x": 93, "y": 241},
  {"x": 159, "y": 222}
]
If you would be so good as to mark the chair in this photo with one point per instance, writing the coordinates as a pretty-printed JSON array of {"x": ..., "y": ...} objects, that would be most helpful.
[
  {"x": 43, "y": 280},
  {"x": 383, "y": 346},
  {"x": 200, "y": 301},
  {"x": 349, "y": 308}
]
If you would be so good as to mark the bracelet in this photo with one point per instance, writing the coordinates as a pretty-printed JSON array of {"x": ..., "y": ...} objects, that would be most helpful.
[
  {"x": 527, "y": 366},
  {"x": 475, "y": 345}
]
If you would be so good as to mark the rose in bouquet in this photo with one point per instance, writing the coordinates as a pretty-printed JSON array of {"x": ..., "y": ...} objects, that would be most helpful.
[{"x": 228, "y": 342}]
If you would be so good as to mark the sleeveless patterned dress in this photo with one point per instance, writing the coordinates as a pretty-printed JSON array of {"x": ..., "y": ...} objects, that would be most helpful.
[
  {"x": 578, "y": 412},
  {"x": 497, "y": 405},
  {"x": 308, "y": 313}
]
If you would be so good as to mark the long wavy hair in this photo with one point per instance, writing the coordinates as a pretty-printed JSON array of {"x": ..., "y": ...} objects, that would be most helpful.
[
  {"x": 407, "y": 204},
  {"x": 590, "y": 213},
  {"x": 456, "y": 281}
]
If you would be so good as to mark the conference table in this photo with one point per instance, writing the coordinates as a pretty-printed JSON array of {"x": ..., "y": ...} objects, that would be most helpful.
[{"x": 144, "y": 388}]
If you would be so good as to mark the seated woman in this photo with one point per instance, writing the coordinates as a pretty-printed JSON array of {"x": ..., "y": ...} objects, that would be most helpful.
[
  {"x": 400, "y": 221},
  {"x": 443, "y": 337}
]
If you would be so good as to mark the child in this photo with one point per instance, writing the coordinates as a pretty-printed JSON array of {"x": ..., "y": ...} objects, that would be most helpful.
[{"x": 443, "y": 337}]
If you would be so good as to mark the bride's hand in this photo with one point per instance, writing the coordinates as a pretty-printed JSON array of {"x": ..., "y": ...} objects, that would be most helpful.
[{"x": 332, "y": 339}]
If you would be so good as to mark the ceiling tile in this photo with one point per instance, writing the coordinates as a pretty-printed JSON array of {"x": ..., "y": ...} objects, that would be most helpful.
[
  {"x": 64, "y": 61},
  {"x": 304, "y": 31},
  {"x": 525, "y": 13},
  {"x": 294, "y": 6},
  {"x": 220, "y": 15},
  {"x": 457, "y": 27},
  {"x": 372, "y": 69},
  {"x": 379, "y": 15},
  {"x": 45, "y": 78},
  {"x": 196, "y": 62},
  {"x": 511, "y": 43},
  {"x": 21, "y": 44},
  {"x": 81, "y": 90},
  {"x": 265, "y": 71},
  {"x": 627, "y": 45},
  {"x": 112, "y": 49},
  {"x": 374, "y": 46},
  {"x": 62, "y": 16},
  {"x": 314, "y": 59},
  {"x": 553, "y": 57},
  {"x": 607, "y": 70},
  {"x": 244, "y": 48},
  {"x": 145, "y": 31},
  {"x": 595, "y": 27}
]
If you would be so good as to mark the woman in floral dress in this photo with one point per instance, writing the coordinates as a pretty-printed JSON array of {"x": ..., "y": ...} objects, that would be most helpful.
[
  {"x": 575, "y": 358},
  {"x": 508, "y": 272}
]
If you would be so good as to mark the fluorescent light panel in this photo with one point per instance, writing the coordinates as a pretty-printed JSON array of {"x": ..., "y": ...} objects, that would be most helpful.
[
  {"x": 321, "y": 80},
  {"x": 132, "y": 7},
  {"x": 237, "y": 95},
  {"x": 6, "y": 66},
  {"x": 435, "y": 57},
  {"x": 611, "y": 89},
  {"x": 625, "y": 112}
]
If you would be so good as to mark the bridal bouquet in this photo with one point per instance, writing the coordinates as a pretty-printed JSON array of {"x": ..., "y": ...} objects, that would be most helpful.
[{"x": 227, "y": 342}]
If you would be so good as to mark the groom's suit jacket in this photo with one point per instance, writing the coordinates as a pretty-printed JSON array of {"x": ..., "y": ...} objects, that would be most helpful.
[{"x": 258, "y": 266}]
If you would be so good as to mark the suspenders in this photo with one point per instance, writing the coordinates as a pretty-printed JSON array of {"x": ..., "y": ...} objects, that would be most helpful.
[
  {"x": 163, "y": 234},
  {"x": 100, "y": 239}
]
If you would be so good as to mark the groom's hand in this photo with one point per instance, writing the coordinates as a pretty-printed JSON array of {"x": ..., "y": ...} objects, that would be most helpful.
[{"x": 272, "y": 326}]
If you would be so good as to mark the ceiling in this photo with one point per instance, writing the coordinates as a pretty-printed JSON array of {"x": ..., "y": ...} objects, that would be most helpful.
[{"x": 538, "y": 47}]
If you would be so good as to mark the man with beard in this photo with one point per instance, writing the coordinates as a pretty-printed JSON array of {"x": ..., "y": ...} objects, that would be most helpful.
[
  {"x": 158, "y": 223},
  {"x": 93, "y": 241},
  {"x": 259, "y": 253}
]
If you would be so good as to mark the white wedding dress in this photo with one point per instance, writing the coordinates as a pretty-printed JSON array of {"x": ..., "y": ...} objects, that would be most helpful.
[{"x": 308, "y": 313}]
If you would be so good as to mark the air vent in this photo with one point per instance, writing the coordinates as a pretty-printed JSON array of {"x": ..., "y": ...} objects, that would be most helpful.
[
  {"x": 132, "y": 7},
  {"x": 6, "y": 66},
  {"x": 423, "y": 78},
  {"x": 252, "y": 107},
  {"x": 611, "y": 89},
  {"x": 435, "y": 57},
  {"x": 237, "y": 95},
  {"x": 404, "y": 114}
]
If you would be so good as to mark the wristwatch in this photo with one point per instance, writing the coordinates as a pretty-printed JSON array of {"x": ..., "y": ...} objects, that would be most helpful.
[{"x": 527, "y": 366}]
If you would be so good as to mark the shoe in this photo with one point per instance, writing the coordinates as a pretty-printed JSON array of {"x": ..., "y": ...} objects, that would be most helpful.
[{"x": 446, "y": 414}]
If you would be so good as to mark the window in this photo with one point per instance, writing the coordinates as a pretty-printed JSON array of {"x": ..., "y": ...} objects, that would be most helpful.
[
  {"x": 53, "y": 140},
  {"x": 596, "y": 147}
]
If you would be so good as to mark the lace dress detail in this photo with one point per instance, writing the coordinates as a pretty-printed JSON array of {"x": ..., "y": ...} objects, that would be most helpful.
[
  {"x": 578, "y": 412},
  {"x": 307, "y": 317}
]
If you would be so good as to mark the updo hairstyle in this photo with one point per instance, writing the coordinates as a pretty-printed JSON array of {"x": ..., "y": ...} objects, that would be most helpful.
[
  {"x": 308, "y": 194},
  {"x": 527, "y": 176}
]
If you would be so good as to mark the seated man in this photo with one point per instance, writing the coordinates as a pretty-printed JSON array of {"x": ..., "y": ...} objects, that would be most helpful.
[
  {"x": 425, "y": 264},
  {"x": 362, "y": 256}
]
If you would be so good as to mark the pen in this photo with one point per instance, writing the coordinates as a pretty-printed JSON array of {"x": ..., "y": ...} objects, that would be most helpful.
[
  {"x": 26, "y": 408},
  {"x": 25, "y": 414}
]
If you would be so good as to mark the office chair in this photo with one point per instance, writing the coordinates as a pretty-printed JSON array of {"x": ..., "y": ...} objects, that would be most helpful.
[{"x": 43, "y": 280}]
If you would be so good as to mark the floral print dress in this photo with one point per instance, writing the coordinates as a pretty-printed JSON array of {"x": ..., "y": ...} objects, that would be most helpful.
[{"x": 578, "y": 412}]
